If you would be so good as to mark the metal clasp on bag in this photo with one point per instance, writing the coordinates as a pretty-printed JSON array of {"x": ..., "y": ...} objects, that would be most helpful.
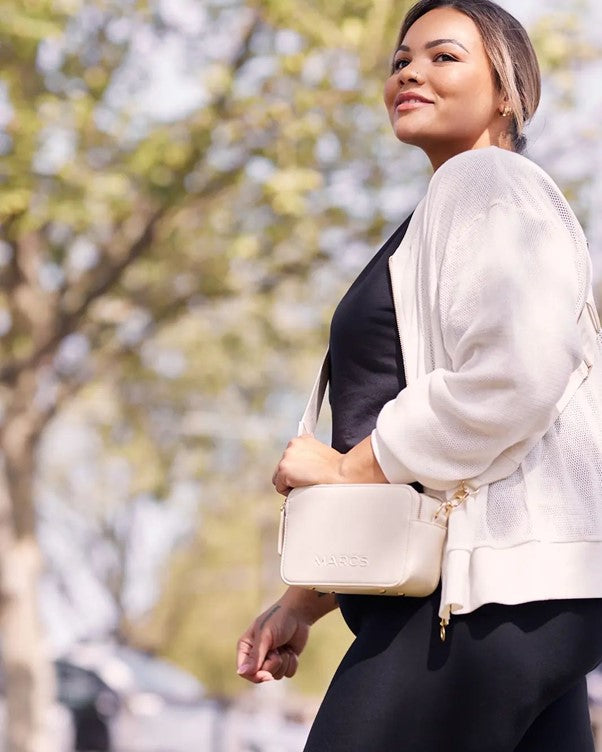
[
  {"x": 444, "y": 510},
  {"x": 459, "y": 497}
]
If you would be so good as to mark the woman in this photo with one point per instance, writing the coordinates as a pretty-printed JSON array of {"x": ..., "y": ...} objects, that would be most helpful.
[{"x": 488, "y": 279}]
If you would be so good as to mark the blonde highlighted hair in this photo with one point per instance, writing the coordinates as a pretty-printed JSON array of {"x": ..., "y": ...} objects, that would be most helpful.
[{"x": 513, "y": 60}]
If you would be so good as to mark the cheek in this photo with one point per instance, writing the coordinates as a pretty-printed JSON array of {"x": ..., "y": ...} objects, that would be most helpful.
[
  {"x": 390, "y": 91},
  {"x": 471, "y": 90}
]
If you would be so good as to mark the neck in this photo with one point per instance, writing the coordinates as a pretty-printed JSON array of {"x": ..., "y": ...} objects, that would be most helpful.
[{"x": 440, "y": 156}]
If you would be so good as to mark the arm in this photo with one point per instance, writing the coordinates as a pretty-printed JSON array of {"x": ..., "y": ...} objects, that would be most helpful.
[
  {"x": 508, "y": 297},
  {"x": 307, "y": 461},
  {"x": 309, "y": 604}
]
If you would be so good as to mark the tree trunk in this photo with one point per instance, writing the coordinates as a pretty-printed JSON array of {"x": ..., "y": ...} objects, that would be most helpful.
[{"x": 28, "y": 671}]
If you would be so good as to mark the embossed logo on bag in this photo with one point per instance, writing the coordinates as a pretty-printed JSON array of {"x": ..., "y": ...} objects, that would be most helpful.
[{"x": 341, "y": 560}]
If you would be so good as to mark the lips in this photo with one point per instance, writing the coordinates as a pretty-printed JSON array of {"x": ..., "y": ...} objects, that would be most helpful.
[{"x": 409, "y": 99}]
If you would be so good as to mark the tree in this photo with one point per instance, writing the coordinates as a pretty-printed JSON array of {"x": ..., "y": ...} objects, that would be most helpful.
[
  {"x": 84, "y": 197},
  {"x": 99, "y": 206}
]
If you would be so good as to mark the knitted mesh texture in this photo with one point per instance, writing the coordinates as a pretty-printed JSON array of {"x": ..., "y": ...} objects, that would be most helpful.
[{"x": 507, "y": 222}]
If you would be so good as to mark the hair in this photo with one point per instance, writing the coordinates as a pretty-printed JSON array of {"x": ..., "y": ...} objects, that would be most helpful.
[{"x": 513, "y": 60}]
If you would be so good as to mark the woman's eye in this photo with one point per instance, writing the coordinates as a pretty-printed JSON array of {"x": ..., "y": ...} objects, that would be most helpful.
[{"x": 443, "y": 57}]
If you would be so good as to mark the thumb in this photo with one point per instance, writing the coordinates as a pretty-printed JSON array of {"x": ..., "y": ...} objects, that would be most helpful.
[{"x": 257, "y": 655}]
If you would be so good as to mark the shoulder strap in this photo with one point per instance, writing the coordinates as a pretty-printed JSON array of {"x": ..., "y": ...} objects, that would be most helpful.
[
  {"x": 590, "y": 330},
  {"x": 314, "y": 404}
]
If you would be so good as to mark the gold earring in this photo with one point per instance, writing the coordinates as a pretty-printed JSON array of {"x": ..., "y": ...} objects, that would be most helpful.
[{"x": 507, "y": 111}]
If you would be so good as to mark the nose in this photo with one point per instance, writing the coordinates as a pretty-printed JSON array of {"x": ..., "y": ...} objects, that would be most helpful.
[{"x": 409, "y": 75}]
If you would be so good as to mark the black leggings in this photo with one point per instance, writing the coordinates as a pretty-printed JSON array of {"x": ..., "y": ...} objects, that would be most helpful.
[{"x": 507, "y": 678}]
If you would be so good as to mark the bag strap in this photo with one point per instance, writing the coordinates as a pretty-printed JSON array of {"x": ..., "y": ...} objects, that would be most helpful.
[
  {"x": 589, "y": 328},
  {"x": 308, "y": 422}
]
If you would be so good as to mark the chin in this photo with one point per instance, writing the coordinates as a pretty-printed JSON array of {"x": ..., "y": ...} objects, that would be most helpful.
[
  {"x": 408, "y": 132},
  {"x": 411, "y": 137}
]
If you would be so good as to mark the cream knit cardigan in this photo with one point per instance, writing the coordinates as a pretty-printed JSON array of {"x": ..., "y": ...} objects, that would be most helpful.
[{"x": 489, "y": 283}]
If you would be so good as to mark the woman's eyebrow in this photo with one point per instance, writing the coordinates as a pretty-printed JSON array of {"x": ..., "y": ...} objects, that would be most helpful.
[{"x": 434, "y": 43}]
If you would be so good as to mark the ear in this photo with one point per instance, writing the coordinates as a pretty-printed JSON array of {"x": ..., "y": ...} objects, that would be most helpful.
[{"x": 503, "y": 103}]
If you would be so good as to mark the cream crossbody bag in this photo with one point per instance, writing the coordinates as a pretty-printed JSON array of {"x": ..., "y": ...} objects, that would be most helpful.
[
  {"x": 379, "y": 538},
  {"x": 372, "y": 538}
]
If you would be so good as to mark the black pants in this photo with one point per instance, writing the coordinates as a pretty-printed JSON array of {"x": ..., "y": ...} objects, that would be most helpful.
[{"x": 507, "y": 679}]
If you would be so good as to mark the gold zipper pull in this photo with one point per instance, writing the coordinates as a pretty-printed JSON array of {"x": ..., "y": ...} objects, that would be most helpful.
[{"x": 442, "y": 625}]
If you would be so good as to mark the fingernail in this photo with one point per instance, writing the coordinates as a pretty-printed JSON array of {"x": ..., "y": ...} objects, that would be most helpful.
[{"x": 243, "y": 669}]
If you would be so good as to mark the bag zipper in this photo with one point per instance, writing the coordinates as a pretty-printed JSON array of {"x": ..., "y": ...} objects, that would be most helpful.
[
  {"x": 443, "y": 624},
  {"x": 281, "y": 527}
]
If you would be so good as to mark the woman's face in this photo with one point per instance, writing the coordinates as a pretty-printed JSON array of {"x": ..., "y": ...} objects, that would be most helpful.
[{"x": 443, "y": 61}]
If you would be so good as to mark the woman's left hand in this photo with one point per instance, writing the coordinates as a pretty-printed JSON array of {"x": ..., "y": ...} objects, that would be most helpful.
[{"x": 305, "y": 462}]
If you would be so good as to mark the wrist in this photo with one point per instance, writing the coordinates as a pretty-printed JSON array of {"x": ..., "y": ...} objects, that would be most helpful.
[
  {"x": 309, "y": 605},
  {"x": 359, "y": 465},
  {"x": 346, "y": 469}
]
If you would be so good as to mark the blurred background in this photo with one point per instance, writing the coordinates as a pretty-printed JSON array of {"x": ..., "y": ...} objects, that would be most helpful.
[{"x": 186, "y": 189}]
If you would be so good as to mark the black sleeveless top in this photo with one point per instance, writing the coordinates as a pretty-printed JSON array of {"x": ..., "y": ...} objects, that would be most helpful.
[
  {"x": 366, "y": 366},
  {"x": 366, "y": 371}
]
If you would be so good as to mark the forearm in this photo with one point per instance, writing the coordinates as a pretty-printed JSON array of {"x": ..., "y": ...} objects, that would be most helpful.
[{"x": 310, "y": 604}]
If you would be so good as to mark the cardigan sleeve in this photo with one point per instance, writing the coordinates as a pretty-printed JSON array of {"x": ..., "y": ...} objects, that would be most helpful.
[{"x": 507, "y": 301}]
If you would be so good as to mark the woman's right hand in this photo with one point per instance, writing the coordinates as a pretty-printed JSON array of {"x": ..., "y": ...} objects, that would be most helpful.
[{"x": 271, "y": 646}]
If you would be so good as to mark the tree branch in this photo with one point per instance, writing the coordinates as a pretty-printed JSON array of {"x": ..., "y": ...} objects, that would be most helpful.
[{"x": 68, "y": 321}]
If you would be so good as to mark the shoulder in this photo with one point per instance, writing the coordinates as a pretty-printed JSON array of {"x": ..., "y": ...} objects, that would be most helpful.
[
  {"x": 489, "y": 174},
  {"x": 467, "y": 187}
]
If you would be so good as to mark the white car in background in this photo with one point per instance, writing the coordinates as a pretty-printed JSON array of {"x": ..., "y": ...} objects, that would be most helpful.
[{"x": 161, "y": 707}]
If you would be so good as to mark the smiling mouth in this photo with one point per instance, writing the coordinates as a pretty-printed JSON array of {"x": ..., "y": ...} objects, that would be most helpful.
[{"x": 411, "y": 104}]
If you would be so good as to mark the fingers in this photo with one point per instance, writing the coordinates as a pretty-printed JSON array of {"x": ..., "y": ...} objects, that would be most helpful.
[
  {"x": 270, "y": 647},
  {"x": 244, "y": 648},
  {"x": 290, "y": 662},
  {"x": 253, "y": 652},
  {"x": 280, "y": 482},
  {"x": 293, "y": 664},
  {"x": 282, "y": 488},
  {"x": 279, "y": 479},
  {"x": 277, "y": 663},
  {"x": 305, "y": 462}
]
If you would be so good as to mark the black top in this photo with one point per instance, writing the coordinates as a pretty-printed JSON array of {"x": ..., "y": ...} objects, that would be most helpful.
[
  {"x": 366, "y": 371},
  {"x": 366, "y": 367}
]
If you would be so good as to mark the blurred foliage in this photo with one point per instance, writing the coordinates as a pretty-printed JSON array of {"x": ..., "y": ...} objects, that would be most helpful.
[{"x": 186, "y": 263}]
